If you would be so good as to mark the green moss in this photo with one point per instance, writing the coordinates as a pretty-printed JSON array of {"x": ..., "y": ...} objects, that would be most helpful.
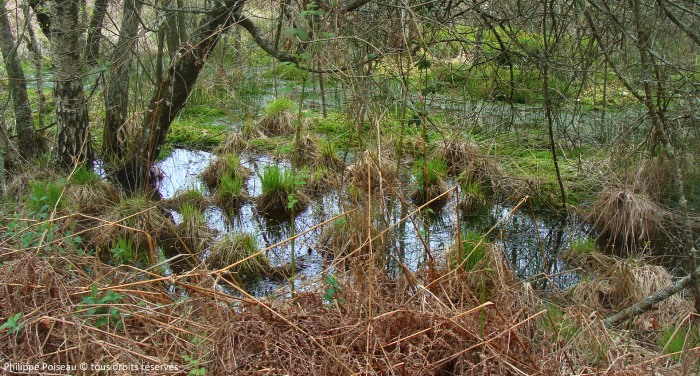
[{"x": 195, "y": 133}]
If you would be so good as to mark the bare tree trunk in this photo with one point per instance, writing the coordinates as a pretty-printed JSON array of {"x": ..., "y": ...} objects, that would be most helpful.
[
  {"x": 117, "y": 90},
  {"x": 548, "y": 100},
  {"x": 92, "y": 48},
  {"x": 28, "y": 141},
  {"x": 669, "y": 150},
  {"x": 73, "y": 144},
  {"x": 172, "y": 35},
  {"x": 175, "y": 88},
  {"x": 38, "y": 67}
]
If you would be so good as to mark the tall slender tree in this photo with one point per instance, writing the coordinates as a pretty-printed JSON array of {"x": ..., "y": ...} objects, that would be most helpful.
[{"x": 28, "y": 144}]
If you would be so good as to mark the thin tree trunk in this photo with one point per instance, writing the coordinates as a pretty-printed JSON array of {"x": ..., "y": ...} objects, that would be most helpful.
[
  {"x": 656, "y": 114},
  {"x": 38, "y": 67},
  {"x": 117, "y": 90},
  {"x": 172, "y": 35},
  {"x": 73, "y": 144},
  {"x": 548, "y": 102},
  {"x": 92, "y": 48},
  {"x": 28, "y": 142},
  {"x": 175, "y": 88}
]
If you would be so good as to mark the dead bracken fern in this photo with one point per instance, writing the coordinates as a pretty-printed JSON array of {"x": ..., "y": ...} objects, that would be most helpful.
[{"x": 444, "y": 319}]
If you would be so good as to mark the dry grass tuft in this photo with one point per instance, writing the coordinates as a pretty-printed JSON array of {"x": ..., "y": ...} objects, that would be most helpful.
[
  {"x": 384, "y": 171},
  {"x": 225, "y": 164},
  {"x": 192, "y": 196},
  {"x": 279, "y": 123},
  {"x": 233, "y": 248},
  {"x": 132, "y": 218},
  {"x": 193, "y": 229},
  {"x": 459, "y": 153},
  {"x": 621, "y": 283},
  {"x": 627, "y": 220},
  {"x": 234, "y": 143},
  {"x": 92, "y": 199}
]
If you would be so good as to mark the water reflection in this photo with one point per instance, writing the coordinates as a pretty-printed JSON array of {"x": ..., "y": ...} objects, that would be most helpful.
[{"x": 531, "y": 245}]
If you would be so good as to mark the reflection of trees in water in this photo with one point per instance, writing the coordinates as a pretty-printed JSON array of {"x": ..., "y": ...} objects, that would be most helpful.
[{"x": 526, "y": 242}]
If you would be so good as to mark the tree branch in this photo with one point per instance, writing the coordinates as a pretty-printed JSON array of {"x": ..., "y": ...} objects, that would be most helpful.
[{"x": 650, "y": 301}]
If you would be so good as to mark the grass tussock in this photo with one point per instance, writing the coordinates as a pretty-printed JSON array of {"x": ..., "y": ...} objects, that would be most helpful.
[
  {"x": 627, "y": 220},
  {"x": 133, "y": 218},
  {"x": 224, "y": 165},
  {"x": 193, "y": 229},
  {"x": 322, "y": 180},
  {"x": 234, "y": 143},
  {"x": 230, "y": 193},
  {"x": 232, "y": 249},
  {"x": 88, "y": 193},
  {"x": 315, "y": 153},
  {"x": 617, "y": 284},
  {"x": 458, "y": 153},
  {"x": 193, "y": 196},
  {"x": 277, "y": 184},
  {"x": 428, "y": 182},
  {"x": 279, "y": 118},
  {"x": 370, "y": 170}
]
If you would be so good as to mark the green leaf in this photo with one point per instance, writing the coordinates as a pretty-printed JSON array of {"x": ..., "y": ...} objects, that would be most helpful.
[
  {"x": 298, "y": 32},
  {"x": 325, "y": 34}
]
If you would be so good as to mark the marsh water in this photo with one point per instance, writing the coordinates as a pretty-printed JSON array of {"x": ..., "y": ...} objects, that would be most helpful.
[{"x": 530, "y": 242}]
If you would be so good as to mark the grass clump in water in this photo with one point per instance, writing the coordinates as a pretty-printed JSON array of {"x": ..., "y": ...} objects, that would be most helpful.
[
  {"x": 277, "y": 185},
  {"x": 193, "y": 196},
  {"x": 279, "y": 118},
  {"x": 224, "y": 165},
  {"x": 234, "y": 248},
  {"x": 230, "y": 192},
  {"x": 193, "y": 229},
  {"x": 429, "y": 181}
]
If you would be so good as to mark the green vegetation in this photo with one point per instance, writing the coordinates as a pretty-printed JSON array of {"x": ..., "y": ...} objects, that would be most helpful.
[
  {"x": 98, "y": 311},
  {"x": 44, "y": 195},
  {"x": 230, "y": 191},
  {"x": 13, "y": 324},
  {"x": 428, "y": 180},
  {"x": 234, "y": 248},
  {"x": 123, "y": 251},
  {"x": 475, "y": 249},
  {"x": 277, "y": 185},
  {"x": 676, "y": 340}
]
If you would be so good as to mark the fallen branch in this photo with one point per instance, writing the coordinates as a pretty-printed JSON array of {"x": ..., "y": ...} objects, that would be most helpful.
[{"x": 650, "y": 301}]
